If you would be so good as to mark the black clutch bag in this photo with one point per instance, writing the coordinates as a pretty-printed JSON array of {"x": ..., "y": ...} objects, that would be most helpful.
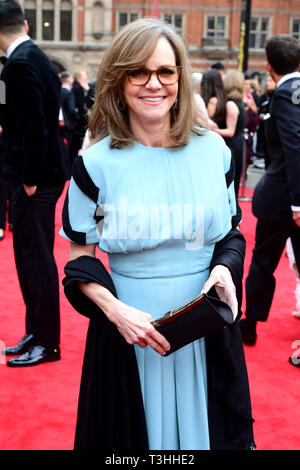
[{"x": 200, "y": 317}]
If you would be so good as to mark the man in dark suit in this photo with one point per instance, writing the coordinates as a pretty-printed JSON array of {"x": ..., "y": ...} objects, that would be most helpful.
[
  {"x": 69, "y": 111},
  {"x": 34, "y": 165},
  {"x": 84, "y": 98},
  {"x": 276, "y": 200}
]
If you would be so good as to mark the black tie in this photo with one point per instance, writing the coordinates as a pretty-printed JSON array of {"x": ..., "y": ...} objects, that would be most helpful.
[{"x": 3, "y": 59}]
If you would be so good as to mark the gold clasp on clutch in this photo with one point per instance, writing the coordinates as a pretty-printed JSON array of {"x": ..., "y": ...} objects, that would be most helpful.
[{"x": 178, "y": 311}]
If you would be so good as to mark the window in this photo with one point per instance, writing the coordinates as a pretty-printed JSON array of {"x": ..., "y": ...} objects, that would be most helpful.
[
  {"x": 215, "y": 26},
  {"x": 127, "y": 17},
  {"x": 66, "y": 20},
  {"x": 98, "y": 20},
  {"x": 30, "y": 15},
  {"x": 175, "y": 19},
  {"x": 48, "y": 21},
  {"x": 259, "y": 31},
  {"x": 296, "y": 28}
]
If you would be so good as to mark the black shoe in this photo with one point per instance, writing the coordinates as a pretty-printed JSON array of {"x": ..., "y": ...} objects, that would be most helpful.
[
  {"x": 248, "y": 332},
  {"x": 295, "y": 360},
  {"x": 36, "y": 355},
  {"x": 20, "y": 348}
]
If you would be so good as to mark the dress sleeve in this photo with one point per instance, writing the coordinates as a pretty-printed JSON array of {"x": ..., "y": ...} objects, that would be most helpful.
[{"x": 81, "y": 210}]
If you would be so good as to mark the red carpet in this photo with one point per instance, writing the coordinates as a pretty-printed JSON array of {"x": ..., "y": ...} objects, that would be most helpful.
[{"x": 38, "y": 404}]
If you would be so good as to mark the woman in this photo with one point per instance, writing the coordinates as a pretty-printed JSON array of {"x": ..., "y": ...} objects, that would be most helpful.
[
  {"x": 83, "y": 94},
  {"x": 232, "y": 132},
  {"x": 213, "y": 94},
  {"x": 264, "y": 105},
  {"x": 255, "y": 91},
  {"x": 127, "y": 195},
  {"x": 197, "y": 77},
  {"x": 249, "y": 99},
  {"x": 252, "y": 118}
]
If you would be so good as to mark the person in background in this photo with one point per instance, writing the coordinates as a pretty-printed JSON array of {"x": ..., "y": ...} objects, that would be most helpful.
[
  {"x": 197, "y": 77},
  {"x": 264, "y": 105},
  {"x": 220, "y": 67},
  {"x": 293, "y": 266},
  {"x": 249, "y": 100},
  {"x": 69, "y": 111},
  {"x": 295, "y": 358},
  {"x": 252, "y": 118},
  {"x": 255, "y": 91},
  {"x": 151, "y": 152},
  {"x": 235, "y": 120},
  {"x": 213, "y": 95},
  {"x": 276, "y": 198},
  {"x": 83, "y": 91},
  {"x": 34, "y": 164}
]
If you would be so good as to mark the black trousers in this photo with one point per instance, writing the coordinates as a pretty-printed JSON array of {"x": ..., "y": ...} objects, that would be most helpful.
[
  {"x": 270, "y": 241},
  {"x": 33, "y": 220}
]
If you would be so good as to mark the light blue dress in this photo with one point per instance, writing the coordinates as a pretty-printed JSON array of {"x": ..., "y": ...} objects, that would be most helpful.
[{"x": 164, "y": 210}]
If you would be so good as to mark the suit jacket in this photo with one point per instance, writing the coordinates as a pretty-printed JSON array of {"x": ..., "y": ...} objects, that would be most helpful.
[
  {"x": 279, "y": 188},
  {"x": 84, "y": 101},
  {"x": 33, "y": 152},
  {"x": 69, "y": 109}
]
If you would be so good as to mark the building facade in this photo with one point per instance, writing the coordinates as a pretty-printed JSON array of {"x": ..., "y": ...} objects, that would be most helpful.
[{"x": 75, "y": 33}]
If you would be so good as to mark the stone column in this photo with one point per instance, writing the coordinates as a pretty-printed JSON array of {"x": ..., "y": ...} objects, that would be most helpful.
[
  {"x": 39, "y": 19},
  {"x": 56, "y": 20}
]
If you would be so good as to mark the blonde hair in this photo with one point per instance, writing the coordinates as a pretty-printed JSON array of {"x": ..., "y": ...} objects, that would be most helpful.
[
  {"x": 234, "y": 84},
  {"x": 255, "y": 85},
  {"x": 131, "y": 48}
]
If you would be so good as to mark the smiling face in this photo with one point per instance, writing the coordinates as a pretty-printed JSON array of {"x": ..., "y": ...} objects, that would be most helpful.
[{"x": 151, "y": 103}]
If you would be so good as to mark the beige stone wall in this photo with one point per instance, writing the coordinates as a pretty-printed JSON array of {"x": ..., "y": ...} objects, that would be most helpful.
[
  {"x": 75, "y": 58},
  {"x": 91, "y": 33}
]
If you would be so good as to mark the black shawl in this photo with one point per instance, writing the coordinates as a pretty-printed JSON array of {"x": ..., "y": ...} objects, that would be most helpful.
[{"x": 110, "y": 410}]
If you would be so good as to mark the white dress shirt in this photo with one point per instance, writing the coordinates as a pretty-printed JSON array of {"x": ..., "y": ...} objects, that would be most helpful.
[
  {"x": 287, "y": 77},
  {"x": 15, "y": 44}
]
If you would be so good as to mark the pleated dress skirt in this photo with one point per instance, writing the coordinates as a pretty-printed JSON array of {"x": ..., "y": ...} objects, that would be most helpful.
[{"x": 174, "y": 388}]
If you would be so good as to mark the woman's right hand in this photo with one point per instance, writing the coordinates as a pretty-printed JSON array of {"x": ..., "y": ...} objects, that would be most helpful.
[{"x": 135, "y": 326}]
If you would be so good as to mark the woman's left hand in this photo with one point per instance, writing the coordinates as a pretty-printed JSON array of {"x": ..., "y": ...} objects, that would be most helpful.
[{"x": 221, "y": 279}]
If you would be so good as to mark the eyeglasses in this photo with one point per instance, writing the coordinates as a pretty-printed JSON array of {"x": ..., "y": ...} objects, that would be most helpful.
[{"x": 166, "y": 75}]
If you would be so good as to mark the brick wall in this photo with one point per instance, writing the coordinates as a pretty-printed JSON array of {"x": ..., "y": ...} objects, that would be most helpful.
[{"x": 203, "y": 50}]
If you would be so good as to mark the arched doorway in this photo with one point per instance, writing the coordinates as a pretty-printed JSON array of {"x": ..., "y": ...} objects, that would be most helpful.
[{"x": 59, "y": 68}]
